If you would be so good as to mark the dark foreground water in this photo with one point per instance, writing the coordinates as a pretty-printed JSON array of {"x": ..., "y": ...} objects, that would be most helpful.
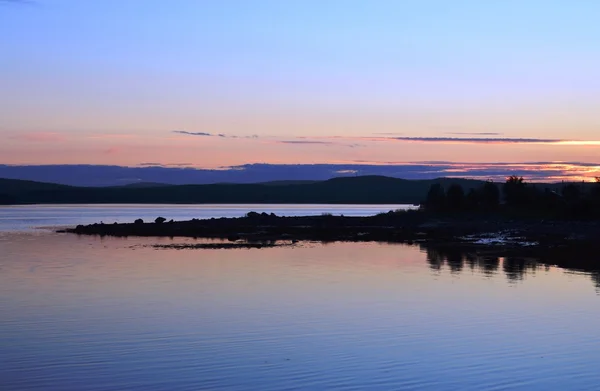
[{"x": 85, "y": 313}]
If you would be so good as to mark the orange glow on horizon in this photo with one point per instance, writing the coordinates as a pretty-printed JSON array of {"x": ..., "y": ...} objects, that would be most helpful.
[{"x": 570, "y": 160}]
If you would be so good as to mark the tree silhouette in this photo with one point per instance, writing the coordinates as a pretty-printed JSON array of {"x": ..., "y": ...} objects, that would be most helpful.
[
  {"x": 490, "y": 195},
  {"x": 571, "y": 193},
  {"x": 436, "y": 197},
  {"x": 596, "y": 190},
  {"x": 6, "y": 199},
  {"x": 455, "y": 197},
  {"x": 472, "y": 199},
  {"x": 515, "y": 191}
]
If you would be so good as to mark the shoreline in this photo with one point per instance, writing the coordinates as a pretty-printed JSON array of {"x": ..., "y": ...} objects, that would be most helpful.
[{"x": 396, "y": 227}]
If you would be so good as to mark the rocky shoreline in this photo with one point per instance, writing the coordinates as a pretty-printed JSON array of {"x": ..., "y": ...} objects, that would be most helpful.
[{"x": 399, "y": 227}]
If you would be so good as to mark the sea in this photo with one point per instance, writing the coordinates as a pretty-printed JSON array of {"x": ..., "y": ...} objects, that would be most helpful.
[{"x": 100, "y": 313}]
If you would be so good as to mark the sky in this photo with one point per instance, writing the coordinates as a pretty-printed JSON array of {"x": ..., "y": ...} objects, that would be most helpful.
[{"x": 222, "y": 83}]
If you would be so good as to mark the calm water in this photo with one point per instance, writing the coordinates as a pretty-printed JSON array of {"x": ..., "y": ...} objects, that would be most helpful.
[
  {"x": 85, "y": 313},
  {"x": 28, "y": 217}
]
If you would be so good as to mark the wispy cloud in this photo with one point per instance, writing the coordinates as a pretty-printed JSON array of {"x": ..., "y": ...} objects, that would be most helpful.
[
  {"x": 388, "y": 134},
  {"x": 475, "y": 133},
  {"x": 326, "y": 140},
  {"x": 532, "y": 171},
  {"x": 479, "y": 140},
  {"x": 496, "y": 140},
  {"x": 193, "y": 133},
  {"x": 305, "y": 142},
  {"x": 463, "y": 140},
  {"x": 156, "y": 164},
  {"x": 205, "y": 134}
]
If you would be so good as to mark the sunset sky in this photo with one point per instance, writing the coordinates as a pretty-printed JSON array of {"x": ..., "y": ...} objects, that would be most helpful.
[{"x": 221, "y": 83}]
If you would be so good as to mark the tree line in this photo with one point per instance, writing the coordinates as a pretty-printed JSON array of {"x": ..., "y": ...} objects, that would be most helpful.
[{"x": 569, "y": 200}]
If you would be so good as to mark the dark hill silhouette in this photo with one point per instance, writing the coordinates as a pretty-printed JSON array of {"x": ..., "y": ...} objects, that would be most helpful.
[
  {"x": 143, "y": 185},
  {"x": 361, "y": 189},
  {"x": 285, "y": 183},
  {"x": 17, "y": 187},
  {"x": 351, "y": 190},
  {"x": 13, "y": 191}
]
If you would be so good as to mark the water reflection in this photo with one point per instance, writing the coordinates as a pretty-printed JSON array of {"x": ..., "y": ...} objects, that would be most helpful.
[
  {"x": 95, "y": 313},
  {"x": 514, "y": 266}
]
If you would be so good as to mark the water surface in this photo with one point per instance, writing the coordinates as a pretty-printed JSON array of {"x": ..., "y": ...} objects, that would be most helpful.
[
  {"x": 91, "y": 313},
  {"x": 27, "y": 217}
]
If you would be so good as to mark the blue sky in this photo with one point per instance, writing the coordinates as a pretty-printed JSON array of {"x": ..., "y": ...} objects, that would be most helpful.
[{"x": 140, "y": 69}]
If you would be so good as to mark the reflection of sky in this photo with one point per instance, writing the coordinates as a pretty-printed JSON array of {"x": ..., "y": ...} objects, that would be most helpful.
[
  {"x": 98, "y": 82},
  {"x": 45, "y": 217},
  {"x": 106, "y": 312}
]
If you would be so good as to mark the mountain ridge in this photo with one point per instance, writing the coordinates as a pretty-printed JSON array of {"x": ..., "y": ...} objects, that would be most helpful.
[
  {"x": 359, "y": 189},
  {"x": 368, "y": 189}
]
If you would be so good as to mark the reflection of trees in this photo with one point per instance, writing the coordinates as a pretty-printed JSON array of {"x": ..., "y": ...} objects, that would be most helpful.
[
  {"x": 456, "y": 259},
  {"x": 514, "y": 267},
  {"x": 488, "y": 264},
  {"x": 580, "y": 258},
  {"x": 471, "y": 260},
  {"x": 434, "y": 258},
  {"x": 596, "y": 279},
  {"x": 485, "y": 264},
  {"x": 437, "y": 256}
]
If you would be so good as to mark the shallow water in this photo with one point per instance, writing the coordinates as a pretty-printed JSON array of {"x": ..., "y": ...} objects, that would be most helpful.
[{"x": 90, "y": 313}]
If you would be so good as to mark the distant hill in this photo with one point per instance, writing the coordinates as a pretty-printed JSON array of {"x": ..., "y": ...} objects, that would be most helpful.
[
  {"x": 360, "y": 190},
  {"x": 285, "y": 183},
  {"x": 370, "y": 189},
  {"x": 143, "y": 185},
  {"x": 18, "y": 187},
  {"x": 13, "y": 191}
]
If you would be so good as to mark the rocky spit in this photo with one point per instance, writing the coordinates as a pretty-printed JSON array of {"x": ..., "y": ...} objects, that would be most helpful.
[{"x": 397, "y": 227}]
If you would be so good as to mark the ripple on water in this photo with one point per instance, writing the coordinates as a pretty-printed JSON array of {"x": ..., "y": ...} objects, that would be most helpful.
[{"x": 84, "y": 313}]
